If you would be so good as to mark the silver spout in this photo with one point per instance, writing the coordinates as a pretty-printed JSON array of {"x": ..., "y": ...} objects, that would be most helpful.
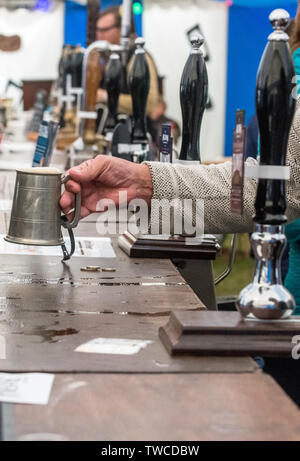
[
  {"x": 280, "y": 20},
  {"x": 196, "y": 41}
]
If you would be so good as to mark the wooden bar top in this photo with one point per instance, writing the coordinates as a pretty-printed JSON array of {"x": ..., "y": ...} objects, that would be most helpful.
[
  {"x": 48, "y": 309},
  {"x": 158, "y": 407}
]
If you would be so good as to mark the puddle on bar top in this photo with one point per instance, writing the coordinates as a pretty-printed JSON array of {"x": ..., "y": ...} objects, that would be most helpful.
[
  {"x": 10, "y": 278},
  {"x": 77, "y": 312},
  {"x": 88, "y": 282},
  {"x": 48, "y": 335},
  {"x": 105, "y": 312}
]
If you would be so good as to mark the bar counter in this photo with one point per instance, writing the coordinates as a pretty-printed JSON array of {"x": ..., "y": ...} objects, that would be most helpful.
[{"x": 49, "y": 308}]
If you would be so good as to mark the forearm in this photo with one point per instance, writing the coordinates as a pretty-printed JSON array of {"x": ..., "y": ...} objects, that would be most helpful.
[{"x": 212, "y": 184}]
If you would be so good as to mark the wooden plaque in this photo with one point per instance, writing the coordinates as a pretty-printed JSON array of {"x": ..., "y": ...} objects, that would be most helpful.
[
  {"x": 156, "y": 246},
  {"x": 226, "y": 333}
]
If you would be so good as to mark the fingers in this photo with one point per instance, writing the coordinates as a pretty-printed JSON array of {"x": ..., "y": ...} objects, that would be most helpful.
[
  {"x": 67, "y": 202},
  {"x": 84, "y": 212},
  {"x": 88, "y": 171},
  {"x": 72, "y": 186}
]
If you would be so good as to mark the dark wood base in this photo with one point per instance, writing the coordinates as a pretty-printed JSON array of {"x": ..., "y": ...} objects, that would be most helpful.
[
  {"x": 158, "y": 246},
  {"x": 226, "y": 333}
]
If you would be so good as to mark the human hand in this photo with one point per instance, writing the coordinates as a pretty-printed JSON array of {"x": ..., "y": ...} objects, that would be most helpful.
[{"x": 105, "y": 177}]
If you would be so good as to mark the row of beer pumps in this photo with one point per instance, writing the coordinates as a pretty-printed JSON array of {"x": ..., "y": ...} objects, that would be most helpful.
[
  {"x": 79, "y": 103},
  {"x": 265, "y": 298}
]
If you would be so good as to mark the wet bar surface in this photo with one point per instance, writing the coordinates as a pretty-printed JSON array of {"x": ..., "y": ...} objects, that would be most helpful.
[{"x": 49, "y": 308}]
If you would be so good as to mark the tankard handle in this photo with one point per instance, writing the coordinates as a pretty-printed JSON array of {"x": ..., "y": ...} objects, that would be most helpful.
[
  {"x": 74, "y": 222},
  {"x": 69, "y": 225}
]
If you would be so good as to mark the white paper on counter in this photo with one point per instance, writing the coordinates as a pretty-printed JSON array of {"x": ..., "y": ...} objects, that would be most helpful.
[
  {"x": 92, "y": 247},
  {"x": 33, "y": 388},
  {"x": 113, "y": 346}
]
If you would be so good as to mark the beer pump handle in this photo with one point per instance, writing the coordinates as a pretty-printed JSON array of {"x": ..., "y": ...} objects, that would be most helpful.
[
  {"x": 113, "y": 75},
  {"x": 275, "y": 106},
  {"x": 193, "y": 99},
  {"x": 139, "y": 84},
  {"x": 93, "y": 77}
]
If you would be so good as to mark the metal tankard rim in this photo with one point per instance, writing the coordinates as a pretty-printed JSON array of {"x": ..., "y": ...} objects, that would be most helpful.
[{"x": 42, "y": 171}]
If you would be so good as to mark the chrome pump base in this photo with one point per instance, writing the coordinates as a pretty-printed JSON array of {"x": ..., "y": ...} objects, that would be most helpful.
[{"x": 266, "y": 298}]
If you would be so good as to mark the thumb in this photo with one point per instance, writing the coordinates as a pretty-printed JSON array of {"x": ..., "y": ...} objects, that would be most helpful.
[{"x": 88, "y": 170}]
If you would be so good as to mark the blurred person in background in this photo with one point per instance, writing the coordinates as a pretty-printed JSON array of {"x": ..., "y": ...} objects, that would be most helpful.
[{"x": 109, "y": 29}]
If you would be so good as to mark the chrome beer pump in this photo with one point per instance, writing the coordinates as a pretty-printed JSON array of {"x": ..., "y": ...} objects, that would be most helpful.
[
  {"x": 266, "y": 298},
  {"x": 139, "y": 84},
  {"x": 193, "y": 100},
  {"x": 88, "y": 143},
  {"x": 191, "y": 256},
  {"x": 130, "y": 140},
  {"x": 91, "y": 76}
]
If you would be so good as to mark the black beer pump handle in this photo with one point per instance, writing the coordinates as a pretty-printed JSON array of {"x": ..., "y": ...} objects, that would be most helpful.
[
  {"x": 139, "y": 84},
  {"x": 193, "y": 99},
  {"x": 113, "y": 80},
  {"x": 275, "y": 106}
]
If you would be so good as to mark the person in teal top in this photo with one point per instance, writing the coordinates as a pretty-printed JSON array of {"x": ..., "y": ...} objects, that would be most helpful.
[{"x": 292, "y": 280}]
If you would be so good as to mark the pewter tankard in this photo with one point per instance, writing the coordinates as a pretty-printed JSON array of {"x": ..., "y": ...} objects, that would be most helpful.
[{"x": 36, "y": 217}]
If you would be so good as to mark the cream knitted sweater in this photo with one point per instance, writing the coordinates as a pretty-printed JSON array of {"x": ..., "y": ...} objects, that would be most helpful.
[{"x": 213, "y": 184}]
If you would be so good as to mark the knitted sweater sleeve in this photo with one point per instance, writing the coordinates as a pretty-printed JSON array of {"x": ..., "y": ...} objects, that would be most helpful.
[{"x": 212, "y": 184}]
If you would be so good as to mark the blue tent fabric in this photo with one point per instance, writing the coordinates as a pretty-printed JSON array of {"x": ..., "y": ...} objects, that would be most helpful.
[
  {"x": 248, "y": 31},
  {"x": 75, "y": 24}
]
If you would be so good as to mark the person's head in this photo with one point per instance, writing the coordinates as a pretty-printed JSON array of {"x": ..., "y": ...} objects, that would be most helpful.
[{"x": 109, "y": 25}]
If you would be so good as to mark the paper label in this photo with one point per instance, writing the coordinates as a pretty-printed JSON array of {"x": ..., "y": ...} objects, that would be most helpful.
[
  {"x": 238, "y": 155},
  {"x": 98, "y": 247},
  {"x": 113, "y": 346},
  {"x": 166, "y": 144},
  {"x": 32, "y": 388},
  {"x": 42, "y": 144}
]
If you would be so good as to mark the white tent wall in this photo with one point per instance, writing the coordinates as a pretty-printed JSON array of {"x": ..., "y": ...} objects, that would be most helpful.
[
  {"x": 42, "y": 35},
  {"x": 165, "y": 23}
]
